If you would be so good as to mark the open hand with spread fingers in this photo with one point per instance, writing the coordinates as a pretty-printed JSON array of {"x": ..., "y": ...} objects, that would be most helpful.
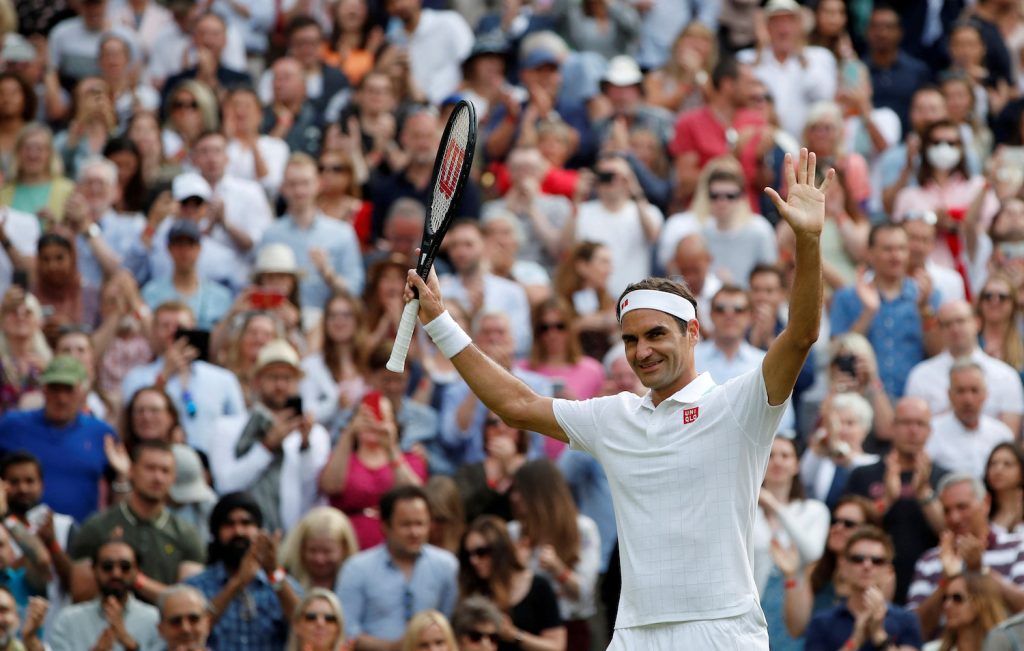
[{"x": 804, "y": 207}]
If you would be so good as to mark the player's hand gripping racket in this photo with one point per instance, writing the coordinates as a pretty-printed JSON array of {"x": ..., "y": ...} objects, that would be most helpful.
[{"x": 451, "y": 169}]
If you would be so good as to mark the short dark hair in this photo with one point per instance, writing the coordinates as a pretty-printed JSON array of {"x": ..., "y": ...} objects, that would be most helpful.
[
  {"x": 302, "y": 21},
  {"x": 727, "y": 68},
  {"x": 677, "y": 287},
  {"x": 20, "y": 458},
  {"x": 882, "y": 227},
  {"x": 874, "y": 534},
  {"x": 378, "y": 358},
  {"x": 150, "y": 444},
  {"x": 730, "y": 289},
  {"x": 210, "y": 133},
  {"x": 400, "y": 494},
  {"x": 29, "y": 100},
  {"x": 765, "y": 268},
  {"x": 114, "y": 541}
]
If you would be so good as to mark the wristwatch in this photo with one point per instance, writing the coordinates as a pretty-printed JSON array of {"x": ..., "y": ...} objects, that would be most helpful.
[{"x": 92, "y": 231}]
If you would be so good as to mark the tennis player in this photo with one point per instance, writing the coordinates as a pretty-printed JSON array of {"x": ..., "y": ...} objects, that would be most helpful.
[{"x": 685, "y": 461}]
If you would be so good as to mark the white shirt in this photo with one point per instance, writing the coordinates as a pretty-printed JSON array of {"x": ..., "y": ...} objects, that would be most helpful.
[
  {"x": 437, "y": 48},
  {"x": 300, "y": 470},
  {"x": 685, "y": 493},
  {"x": 958, "y": 449},
  {"x": 320, "y": 392},
  {"x": 804, "y": 526},
  {"x": 155, "y": 18},
  {"x": 793, "y": 86},
  {"x": 930, "y": 380},
  {"x": 624, "y": 236},
  {"x": 242, "y": 163},
  {"x": 818, "y": 472},
  {"x": 22, "y": 229},
  {"x": 675, "y": 228},
  {"x": 948, "y": 283}
]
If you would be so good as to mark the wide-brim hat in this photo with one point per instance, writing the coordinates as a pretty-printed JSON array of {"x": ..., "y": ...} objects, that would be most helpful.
[
  {"x": 277, "y": 351},
  {"x": 190, "y": 485},
  {"x": 276, "y": 259}
]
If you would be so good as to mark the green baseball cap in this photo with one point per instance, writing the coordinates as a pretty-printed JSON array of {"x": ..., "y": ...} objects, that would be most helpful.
[{"x": 64, "y": 369}]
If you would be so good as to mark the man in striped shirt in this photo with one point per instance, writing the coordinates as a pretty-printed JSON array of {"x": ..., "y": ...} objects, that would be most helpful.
[{"x": 969, "y": 544}]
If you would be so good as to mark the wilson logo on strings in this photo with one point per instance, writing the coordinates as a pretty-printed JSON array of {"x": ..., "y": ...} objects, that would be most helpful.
[{"x": 450, "y": 167}]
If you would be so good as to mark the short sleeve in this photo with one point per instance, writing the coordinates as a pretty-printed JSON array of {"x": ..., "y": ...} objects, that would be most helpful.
[
  {"x": 748, "y": 396},
  {"x": 579, "y": 420}
]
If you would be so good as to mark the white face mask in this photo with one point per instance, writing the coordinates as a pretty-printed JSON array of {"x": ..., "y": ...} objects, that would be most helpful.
[{"x": 943, "y": 156}]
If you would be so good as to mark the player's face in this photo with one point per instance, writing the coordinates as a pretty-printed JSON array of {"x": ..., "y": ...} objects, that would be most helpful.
[{"x": 658, "y": 351}]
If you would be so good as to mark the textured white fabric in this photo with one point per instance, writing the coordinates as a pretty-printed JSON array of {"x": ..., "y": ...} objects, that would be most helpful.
[{"x": 745, "y": 632}]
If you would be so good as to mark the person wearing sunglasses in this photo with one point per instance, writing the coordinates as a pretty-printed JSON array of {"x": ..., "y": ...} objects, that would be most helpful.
[
  {"x": 184, "y": 619},
  {"x": 972, "y": 606},
  {"x": 475, "y": 622},
  {"x": 113, "y": 620},
  {"x": 998, "y": 309},
  {"x": 865, "y": 619},
  {"x": 318, "y": 624}
]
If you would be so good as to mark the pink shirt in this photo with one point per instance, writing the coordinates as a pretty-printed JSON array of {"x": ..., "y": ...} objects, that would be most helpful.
[{"x": 582, "y": 381}]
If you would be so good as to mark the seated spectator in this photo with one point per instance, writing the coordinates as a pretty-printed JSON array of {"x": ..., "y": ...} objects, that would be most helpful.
[
  {"x": 476, "y": 622},
  {"x": 191, "y": 110},
  {"x": 242, "y": 350},
  {"x": 691, "y": 260},
  {"x": 184, "y": 618},
  {"x": 18, "y": 111},
  {"x": 210, "y": 35},
  {"x": 251, "y": 597},
  {"x": 428, "y": 629},
  {"x": 853, "y": 368},
  {"x": 485, "y": 485},
  {"x": 837, "y": 448},
  {"x": 333, "y": 379},
  {"x": 24, "y": 352},
  {"x": 73, "y": 43},
  {"x": 968, "y": 545},
  {"x": 998, "y": 309},
  {"x": 959, "y": 333},
  {"x": 922, "y": 236},
  {"x": 622, "y": 89},
  {"x": 29, "y": 631},
  {"x": 355, "y": 38},
  {"x": 122, "y": 338},
  {"x": 273, "y": 453},
  {"x": 251, "y": 155},
  {"x": 114, "y": 60},
  {"x": 75, "y": 341},
  {"x": 75, "y": 450},
  {"x": 201, "y": 391},
  {"x": 384, "y": 299},
  {"x": 39, "y": 186},
  {"x": 318, "y": 623},
  {"x": 276, "y": 274},
  {"x": 150, "y": 415},
  {"x": 383, "y": 587},
  {"x": 93, "y": 122},
  {"x": 22, "y": 579},
  {"x": 1004, "y": 481},
  {"x": 115, "y": 618},
  {"x": 447, "y": 513},
  {"x": 437, "y": 42},
  {"x": 813, "y": 588},
  {"x": 963, "y": 437},
  {"x": 317, "y": 547},
  {"x": 824, "y": 134},
  {"x": 290, "y": 116},
  {"x": 144, "y": 522},
  {"x": 559, "y": 543},
  {"x": 367, "y": 462},
  {"x": 681, "y": 84},
  {"x": 966, "y": 111},
  {"x": 327, "y": 250},
  {"x": 323, "y": 80},
  {"x": 972, "y": 607},
  {"x": 895, "y": 74},
  {"x": 342, "y": 175},
  {"x": 70, "y": 298},
  {"x": 490, "y": 567},
  {"x": 581, "y": 280},
  {"x": 865, "y": 618}
]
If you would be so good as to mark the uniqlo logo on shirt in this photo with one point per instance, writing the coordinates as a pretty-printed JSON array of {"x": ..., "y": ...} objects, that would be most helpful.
[{"x": 690, "y": 415}]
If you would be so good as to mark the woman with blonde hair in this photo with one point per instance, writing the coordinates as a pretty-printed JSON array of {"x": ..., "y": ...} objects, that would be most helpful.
[
  {"x": 681, "y": 83},
  {"x": 972, "y": 606},
  {"x": 190, "y": 110},
  {"x": 36, "y": 184},
  {"x": 429, "y": 630},
  {"x": 315, "y": 550},
  {"x": 998, "y": 309},
  {"x": 318, "y": 623}
]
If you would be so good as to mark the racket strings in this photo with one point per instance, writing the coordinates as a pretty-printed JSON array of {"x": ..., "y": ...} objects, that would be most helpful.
[{"x": 450, "y": 169}]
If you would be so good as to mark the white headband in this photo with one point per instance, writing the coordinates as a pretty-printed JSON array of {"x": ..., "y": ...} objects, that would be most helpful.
[{"x": 651, "y": 299}]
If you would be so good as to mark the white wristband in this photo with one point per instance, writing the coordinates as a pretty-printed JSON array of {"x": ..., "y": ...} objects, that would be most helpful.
[{"x": 449, "y": 338}]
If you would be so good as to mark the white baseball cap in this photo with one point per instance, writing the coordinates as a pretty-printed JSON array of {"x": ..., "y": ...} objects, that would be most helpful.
[
  {"x": 779, "y": 7},
  {"x": 623, "y": 71},
  {"x": 190, "y": 184}
]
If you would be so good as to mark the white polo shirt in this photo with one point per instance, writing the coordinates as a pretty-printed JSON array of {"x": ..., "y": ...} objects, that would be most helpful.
[
  {"x": 929, "y": 380},
  {"x": 684, "y": 479},
  {"x": 958, "y": 449}
]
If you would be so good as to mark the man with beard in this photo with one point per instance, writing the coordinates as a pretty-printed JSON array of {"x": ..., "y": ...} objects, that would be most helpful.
[
  {"x": 184, "y": 619},
  {"x": 251, "y": 597},
  {"x": 142, "y": 520},
  {"x": 115, "y": 620},
  {"x": 34, "y": 616}
]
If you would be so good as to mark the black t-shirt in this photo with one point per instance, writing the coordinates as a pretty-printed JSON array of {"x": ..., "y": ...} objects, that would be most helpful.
[
  {"x": 905, "y": 521},
  {"x": 537, "y": 612}
]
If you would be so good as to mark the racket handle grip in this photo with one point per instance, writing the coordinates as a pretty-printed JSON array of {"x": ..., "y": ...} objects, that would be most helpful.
[{"x": 404, "y": 337}]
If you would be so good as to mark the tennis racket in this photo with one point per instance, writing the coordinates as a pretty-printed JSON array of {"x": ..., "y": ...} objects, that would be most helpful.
[{"x": 451, "y": 169}]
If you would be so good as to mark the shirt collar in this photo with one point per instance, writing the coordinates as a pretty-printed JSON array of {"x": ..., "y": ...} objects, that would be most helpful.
[
  {"x": 133, "y": 519},
  {"x": 692, "y": 392}
]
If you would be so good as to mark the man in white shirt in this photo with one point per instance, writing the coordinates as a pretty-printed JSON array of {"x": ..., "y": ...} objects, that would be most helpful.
[
  {"x": 963, "y": 438},
  {"x": 685, "y": 462},
  {"x": 797, "y": 75},
  {"x": 273, "y": 453},
  {"x": 437, "y": 42},
  {"x": 19, "y": 234},
  {"x": 930, "y": 379},
  {"x": 921, "y": 239}
]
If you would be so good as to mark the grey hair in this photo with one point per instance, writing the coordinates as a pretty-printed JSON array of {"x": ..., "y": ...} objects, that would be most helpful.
[
  {"x": 500, "y": 215},
  {"x": 106, "y": 165},
  {"x": 181, "y": 589},
  {"x": 954, "y": 478},
  {"x": 855, "y": 403},
  {"x": 490, "y": 313},
  {"x": 965, "y": 363},
  {"x": 405, "y": 207},
  {"x": 473, "y": 611},
  {"x": 616, "y": 352}
]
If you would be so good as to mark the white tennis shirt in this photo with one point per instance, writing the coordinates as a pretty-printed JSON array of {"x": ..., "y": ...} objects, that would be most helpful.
[{"x": 684, "y": 478}]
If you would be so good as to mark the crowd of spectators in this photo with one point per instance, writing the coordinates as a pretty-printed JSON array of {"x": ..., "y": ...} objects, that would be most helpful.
[{"x": 207, "y": 212}]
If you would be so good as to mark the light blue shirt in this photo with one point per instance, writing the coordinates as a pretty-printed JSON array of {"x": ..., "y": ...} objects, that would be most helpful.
[
  {"x": 378, "y": 600},
  {"x": 120, "y": 232},
  {"x": 708, "y": 357},
  {"x": 78, "y": 626},
  {"x": 336, "y": 238},
  {"x": 663, "y": 22},
  {"x": 501, "y": 295},
  {"x": 214, "y": 392},
  {"x": 209, "y": 303}
]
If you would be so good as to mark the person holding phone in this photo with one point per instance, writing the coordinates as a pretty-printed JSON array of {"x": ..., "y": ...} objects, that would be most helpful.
[{"x": 275, "y": 452}]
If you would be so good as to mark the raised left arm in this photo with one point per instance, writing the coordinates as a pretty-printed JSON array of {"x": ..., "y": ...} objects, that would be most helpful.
[{"x": 804, "y": 211}]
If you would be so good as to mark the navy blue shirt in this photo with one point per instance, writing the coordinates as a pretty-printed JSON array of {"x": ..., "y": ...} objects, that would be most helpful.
[
  {"x": 894, "y": 87},
  {"x": 72, "y": 457},
  {"x": 829, "y": 630}
]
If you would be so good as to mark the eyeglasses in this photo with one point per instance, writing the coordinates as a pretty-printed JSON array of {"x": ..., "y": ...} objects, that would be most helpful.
[
  {"x": 955, "y": 597},
  {"x": 998, "y": 297},
  {"x": 337, "y": 169},
  {"x": 176, "y": 106},
  {"x": 728, "y": 196},
  {"x": 328, "y": 618},
  {"x": 846, "y": 524},
  {"x": 859, "y": 559},
  {"x": 951, "y": 143},
  {"x": 729, "y": 309},
  {"x": 124, "y": 566},
  {"x": 478, "y": 636},
  {"x": 192, "y": 202},
  {"x": 178, "y": 620},
  {"x": 479, "y": 552},
  {"x": 544, "y": 327}
]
